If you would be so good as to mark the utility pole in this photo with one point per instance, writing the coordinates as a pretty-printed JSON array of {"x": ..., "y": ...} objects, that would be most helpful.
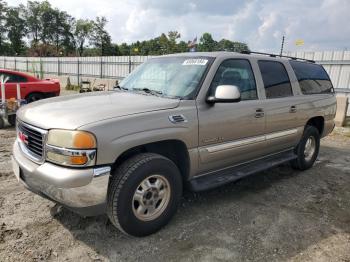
[{"x": 282, "y": 45}]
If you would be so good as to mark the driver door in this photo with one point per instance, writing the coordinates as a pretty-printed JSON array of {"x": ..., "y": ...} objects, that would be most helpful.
[{"x": 231, "y": 133}]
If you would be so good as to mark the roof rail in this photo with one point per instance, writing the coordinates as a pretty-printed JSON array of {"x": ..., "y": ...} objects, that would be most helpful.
[{"x": 274, "y": 55}]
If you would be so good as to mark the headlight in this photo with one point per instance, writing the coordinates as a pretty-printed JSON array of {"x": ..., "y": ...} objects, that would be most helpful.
[{"x": 71, "y": 148}]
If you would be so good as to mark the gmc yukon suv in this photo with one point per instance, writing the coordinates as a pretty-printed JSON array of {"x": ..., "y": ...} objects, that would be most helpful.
[{"x": 194, "y": 120}]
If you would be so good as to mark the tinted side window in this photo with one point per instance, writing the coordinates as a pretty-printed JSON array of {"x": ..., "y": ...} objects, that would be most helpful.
[
  {"x": 276, "y": 80},
  {"x": 236, "y": 72},
  {"x": 312, "y": 78},
  {"x": 12, "y": 78}
]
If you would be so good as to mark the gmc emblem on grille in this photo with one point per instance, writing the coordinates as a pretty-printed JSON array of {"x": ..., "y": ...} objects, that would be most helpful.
[{"x": 23, "y": 137}]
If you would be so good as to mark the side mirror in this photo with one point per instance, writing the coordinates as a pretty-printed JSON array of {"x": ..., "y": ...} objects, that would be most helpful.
[{"x": 225, "y": 94}]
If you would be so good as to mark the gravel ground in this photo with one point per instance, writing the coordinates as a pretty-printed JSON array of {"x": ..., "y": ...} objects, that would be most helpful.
[{"x": 278, "y": 215}]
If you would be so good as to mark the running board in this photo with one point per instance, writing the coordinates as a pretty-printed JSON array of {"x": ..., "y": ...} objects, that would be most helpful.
[{"x": 222, "y": 177}]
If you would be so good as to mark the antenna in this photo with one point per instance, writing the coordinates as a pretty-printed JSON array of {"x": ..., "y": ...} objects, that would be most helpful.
[{"x": 282, "y": 45}]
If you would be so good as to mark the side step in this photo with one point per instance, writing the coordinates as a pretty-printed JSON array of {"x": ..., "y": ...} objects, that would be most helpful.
[{"x": 221, "y": 177}]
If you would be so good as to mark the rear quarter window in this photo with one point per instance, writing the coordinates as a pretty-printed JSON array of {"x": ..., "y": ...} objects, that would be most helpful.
[
  {"x": 275, "y": 78},
  {"x": 313, "y": 79}
]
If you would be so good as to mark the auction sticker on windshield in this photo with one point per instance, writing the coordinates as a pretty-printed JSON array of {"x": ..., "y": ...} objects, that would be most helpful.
[{"x": 195, "y": 62}]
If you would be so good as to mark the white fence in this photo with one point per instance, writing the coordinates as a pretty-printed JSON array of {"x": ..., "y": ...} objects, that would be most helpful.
[
  {"x": 110, "y": 67},
  {"x": 337, "y": 64}
]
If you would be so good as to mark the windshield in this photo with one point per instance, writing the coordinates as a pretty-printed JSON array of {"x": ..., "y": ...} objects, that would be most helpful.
[{"x": 168, "y": 76}]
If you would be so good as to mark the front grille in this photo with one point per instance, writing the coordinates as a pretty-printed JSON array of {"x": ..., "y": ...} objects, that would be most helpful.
[{"x": 32, "y": 139}]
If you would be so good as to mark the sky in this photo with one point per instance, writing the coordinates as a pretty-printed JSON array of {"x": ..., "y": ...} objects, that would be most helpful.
[{"x": 321, "y": 24}]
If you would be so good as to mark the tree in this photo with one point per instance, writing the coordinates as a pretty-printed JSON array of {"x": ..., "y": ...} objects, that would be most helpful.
[
  {"x": 3, "y": 30},
  {"x": 182, "y": 47},
  {"x": 61, "y": 35},
  {"x": 16, "y": 26},
  {"x": 67, "y": 40},
  {"x": 100, "y": 38},
  {"x": 124, "y": 49},
  {"x": 207, "y": 43},
  {"x": 82, "y": 31},
  {"x": 173, "y": 36},
  {"x": 227, "y": 45},
  {"x": 52, "y": 32},
  {"x": 49, "y": 26},
  {"x": 33, "y": 17},
  {"x": 164, "y": 44},
  {"x": 47, "y": 17}
]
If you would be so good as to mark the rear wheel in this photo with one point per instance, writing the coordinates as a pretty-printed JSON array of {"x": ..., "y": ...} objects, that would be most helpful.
[
  {"x": 307, "y": 150},
  {"x": 34, "y": 97},
  {"x": 143, "y": 194}
]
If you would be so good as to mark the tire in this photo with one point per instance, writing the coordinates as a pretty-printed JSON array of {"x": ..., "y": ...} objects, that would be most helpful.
[
  {"x": 2, "y": 123},
  {"x": 306, "y": 152},
  {"x": 34, "y": 97},
  {"x": 130, "y": 205},
  {"x": 12, "y": 120}
]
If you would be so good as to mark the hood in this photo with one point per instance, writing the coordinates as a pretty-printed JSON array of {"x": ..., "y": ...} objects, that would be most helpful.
[{"x": 71, "y": 112}]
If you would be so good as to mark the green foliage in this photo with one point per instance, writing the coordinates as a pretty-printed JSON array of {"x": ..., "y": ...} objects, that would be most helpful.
[
  {"x": 207, "y": 43},
  {"x": 168, "y": 44},
  {"x": 3, "y": 30},
  {"x": 15, "y": 24},
  {"x": 82, "y": 31},
  {"x": 100, "y": 38},
  {"x": 51, "y": 32}
]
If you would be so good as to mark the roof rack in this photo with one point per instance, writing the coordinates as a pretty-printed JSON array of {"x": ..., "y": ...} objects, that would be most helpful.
[{"x": 274, "y": 55}]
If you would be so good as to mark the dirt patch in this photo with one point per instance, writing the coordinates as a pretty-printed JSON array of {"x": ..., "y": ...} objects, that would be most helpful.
[{"x": 280, "y": 214}]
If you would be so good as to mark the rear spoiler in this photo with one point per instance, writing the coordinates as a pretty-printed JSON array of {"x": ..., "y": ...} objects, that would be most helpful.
[{"x": 55, "y": 80}]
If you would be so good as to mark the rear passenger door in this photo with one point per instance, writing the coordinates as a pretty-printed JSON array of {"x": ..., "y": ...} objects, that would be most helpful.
[{"x": 281, "y": 109}]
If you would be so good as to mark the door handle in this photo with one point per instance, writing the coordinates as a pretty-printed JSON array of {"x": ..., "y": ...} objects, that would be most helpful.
[
  {"x": 259, "y": 113},
  {"x": 293, "y": 109}
]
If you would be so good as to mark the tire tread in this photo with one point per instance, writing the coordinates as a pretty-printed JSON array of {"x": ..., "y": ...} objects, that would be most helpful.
[
  {"x": 298, "y": 163},
  {"x": 120, "y": 176}
]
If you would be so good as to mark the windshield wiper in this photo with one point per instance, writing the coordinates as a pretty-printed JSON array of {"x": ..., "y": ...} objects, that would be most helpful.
[
  {"x": 120, "y": 87},
  {"x": 148, "y": 91}
]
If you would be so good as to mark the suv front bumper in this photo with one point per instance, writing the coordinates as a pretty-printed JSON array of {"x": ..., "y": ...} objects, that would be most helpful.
[{"x": 81, "y": 190}]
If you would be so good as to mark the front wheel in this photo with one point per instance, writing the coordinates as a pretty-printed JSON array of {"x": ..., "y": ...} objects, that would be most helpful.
[
  {"x": 307, "y": 149},
  {"x": 143, "y": 194}
]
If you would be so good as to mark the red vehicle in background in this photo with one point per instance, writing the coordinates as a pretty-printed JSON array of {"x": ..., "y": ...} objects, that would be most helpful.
[{"x": 32, "y": 88}]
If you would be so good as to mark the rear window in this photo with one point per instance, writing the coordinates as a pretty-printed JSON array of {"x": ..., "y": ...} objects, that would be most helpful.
[
  {"x": 275, "y": 78},
  {"x": 313, "y": 79}
]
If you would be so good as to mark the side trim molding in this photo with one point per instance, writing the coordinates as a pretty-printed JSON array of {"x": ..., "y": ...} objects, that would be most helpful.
[
  {"x": 281, "y": 134},
  {"x": 251, "y": 140},
  {"x": 236, "y": 143}
]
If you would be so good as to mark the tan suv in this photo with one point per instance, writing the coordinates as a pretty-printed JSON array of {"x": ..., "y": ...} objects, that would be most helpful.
[{"x": 198, "y": 120}]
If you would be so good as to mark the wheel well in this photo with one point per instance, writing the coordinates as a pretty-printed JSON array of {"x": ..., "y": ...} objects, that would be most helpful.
[
  {"x": 317, "y": 122},
  {"x": 31, "y": 93},
  {"x": 175, "y": 150}
]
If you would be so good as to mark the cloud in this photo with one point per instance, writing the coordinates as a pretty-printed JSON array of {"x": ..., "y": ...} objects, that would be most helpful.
[{"x": 322, "y": 24}]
